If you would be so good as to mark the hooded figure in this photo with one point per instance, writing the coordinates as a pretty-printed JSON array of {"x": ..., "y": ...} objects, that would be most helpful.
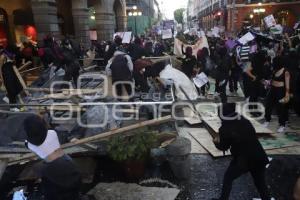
[
  {"x": 239, "y": 135},
  {"x": 60, "y": 178}
]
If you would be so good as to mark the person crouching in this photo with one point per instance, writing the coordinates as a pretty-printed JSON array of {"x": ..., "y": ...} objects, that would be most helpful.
[{"x": 60, "y": 178}]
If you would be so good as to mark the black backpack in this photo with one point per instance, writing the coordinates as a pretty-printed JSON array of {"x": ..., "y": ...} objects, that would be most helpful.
[{"x": 119, "y": 69}]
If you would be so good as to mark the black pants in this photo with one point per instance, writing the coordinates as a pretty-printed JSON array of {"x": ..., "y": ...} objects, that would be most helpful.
[
  {"x": 222, "y": 90},
  {"x": 233, "y": 80},
  {"x": 141, "y": 82},
  {"x": 120, "y": 91},
  {"x": 72, "y": 72},
  {"x": 234, "y": 171},
  {"x": 276, "y": 94}
]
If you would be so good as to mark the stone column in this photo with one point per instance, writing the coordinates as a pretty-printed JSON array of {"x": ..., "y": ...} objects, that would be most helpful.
[
  {"x": 45, "y": 18},
  {"x": 105, "y": 19},
  {"x": 80, "y": 19},
  {"x": 122, "y": 23}
]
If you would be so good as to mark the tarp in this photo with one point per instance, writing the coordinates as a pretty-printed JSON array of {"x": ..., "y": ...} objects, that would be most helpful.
[{"x": 202, "y": 42}]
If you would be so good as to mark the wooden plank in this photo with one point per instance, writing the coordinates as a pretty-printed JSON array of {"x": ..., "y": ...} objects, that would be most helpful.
[
  {"x": 204, "y": 138},
  {"x": 190, "y": 116},
  {"x": 29, "y": 70},
  {"x": 98, "y": 137},
  {"x": 196, "y": 147},
  {"x": 25, "y": 65},
  {"x": 214, "y": 122},
  {"x": 21, "y": 80}
]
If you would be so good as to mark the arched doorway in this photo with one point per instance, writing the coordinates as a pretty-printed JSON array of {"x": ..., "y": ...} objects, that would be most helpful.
[
  {"x": 4, "y": 28},
  {"x": 119, "y": 8}
]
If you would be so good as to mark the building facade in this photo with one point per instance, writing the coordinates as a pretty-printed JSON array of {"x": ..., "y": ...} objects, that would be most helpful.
[
  {"x": 233, "y": 14},
  {"x": 150, "y": 13},
  {"x": 37, "y": 18}
]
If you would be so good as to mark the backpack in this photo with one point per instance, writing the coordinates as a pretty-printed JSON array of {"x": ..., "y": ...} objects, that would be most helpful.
[{"x": 119, "y": 69}]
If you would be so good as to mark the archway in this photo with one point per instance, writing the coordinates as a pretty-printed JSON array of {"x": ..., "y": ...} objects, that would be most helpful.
[
  {"x": 119, "y": 9},
  {"x": 4, "y": 28}
]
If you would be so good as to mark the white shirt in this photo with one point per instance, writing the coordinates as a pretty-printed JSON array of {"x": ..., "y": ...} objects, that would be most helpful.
[{"x": 50, "y": 145}]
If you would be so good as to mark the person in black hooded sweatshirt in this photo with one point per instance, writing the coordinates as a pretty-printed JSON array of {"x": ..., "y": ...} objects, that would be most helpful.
[{"x": 238, "y": 134}]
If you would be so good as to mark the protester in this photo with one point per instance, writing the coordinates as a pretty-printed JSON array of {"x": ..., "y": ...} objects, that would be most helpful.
[
  {"x": 7, "y": 74},
  {"x": 60, "y": 178},
  {"x": 120, "y": 68},
  {"x": 238, "y": 134},
  {"x": 189, "y": 62},
  {"x": 222, "y": 73},
  {"x": 70, "y": 62},
  {"x": 136, "y": 50},
  {"x": 279, "y": 94}
]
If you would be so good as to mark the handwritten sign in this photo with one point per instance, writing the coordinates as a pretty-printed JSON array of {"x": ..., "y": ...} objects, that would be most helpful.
[{"x": 270, "y": 21}]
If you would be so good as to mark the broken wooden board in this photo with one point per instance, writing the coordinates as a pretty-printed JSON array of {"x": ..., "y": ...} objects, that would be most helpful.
[
  {"x": 24, "y": 66},
  {"x": 132, "y": 191},
  {"x": 196, "y": 147},
  {"x": 214, "y": 122},
  {"x": 98, "y": 137},
  {"x": 273, "y": 145},
  {"x": 203, "y": 137},
  {"x": 190, "y": 116}
]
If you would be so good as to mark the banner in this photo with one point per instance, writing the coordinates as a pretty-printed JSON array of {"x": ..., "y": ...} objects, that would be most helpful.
[{"x": 202, "y": 42}]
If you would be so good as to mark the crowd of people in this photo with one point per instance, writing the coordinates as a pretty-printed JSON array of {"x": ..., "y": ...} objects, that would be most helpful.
[{"x": 266, "y": 69}]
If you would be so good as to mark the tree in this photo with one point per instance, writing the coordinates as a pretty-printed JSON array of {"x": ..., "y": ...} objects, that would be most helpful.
[{"x": 178, "y": 15}]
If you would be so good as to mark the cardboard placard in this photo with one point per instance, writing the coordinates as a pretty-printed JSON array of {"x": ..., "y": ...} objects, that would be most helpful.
[
  {"x": 246, "y": 38},
  {"x": 167, "y": 34},
  {"x": 200, "y": 80},
  {"x": 270, "y": 21},
  {"x": 127, "y": 37},
  {"x": 93, "y": 35}
]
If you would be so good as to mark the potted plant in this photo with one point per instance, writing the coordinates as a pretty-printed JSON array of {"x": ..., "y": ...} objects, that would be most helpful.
[{"x": 132, "y": 151}]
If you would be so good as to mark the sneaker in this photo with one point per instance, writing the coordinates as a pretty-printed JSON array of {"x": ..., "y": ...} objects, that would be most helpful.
[
  {"x": 266, "y": 124},
  {"x": 281, "y": 129}
]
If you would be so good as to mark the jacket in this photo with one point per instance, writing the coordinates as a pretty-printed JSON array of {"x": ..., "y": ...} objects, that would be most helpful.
[{"x": 239, "y": 136}]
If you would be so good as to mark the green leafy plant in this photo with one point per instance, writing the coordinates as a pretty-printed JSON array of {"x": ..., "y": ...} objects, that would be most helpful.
[{"x": 134, "y": 147}]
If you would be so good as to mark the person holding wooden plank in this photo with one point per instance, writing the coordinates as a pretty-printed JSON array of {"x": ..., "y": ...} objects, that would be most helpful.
[
  {"x": 239, "y": 135},
  {"x": 10, "y": 80},
  {"x": 60, "y": 178}
]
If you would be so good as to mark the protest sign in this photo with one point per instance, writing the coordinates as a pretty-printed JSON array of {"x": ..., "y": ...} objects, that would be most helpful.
[
  {"x": 127, "y": 37},
  {"x": 270, "y": 21},
  {"x": 93, "y": 35},
  {"x": 200, "y": 80},
  {"x": 167, "y": 34},
  {"x": 246, "y": 38}
]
